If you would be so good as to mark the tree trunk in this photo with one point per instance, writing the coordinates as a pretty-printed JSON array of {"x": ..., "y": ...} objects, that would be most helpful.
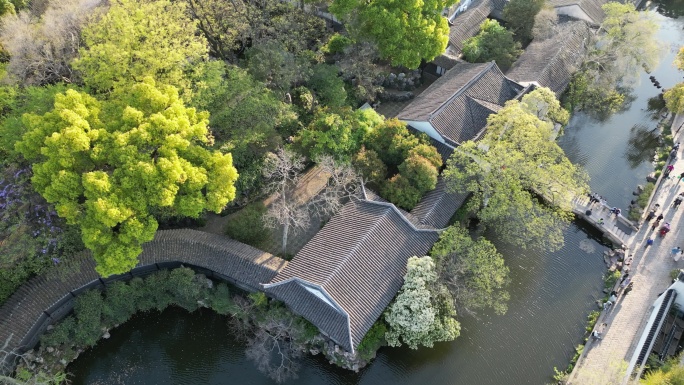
[{"x": 286, "y": 229}]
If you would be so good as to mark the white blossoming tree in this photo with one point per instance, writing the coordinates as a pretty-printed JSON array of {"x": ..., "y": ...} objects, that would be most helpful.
[{"x": 423, "y": 312}]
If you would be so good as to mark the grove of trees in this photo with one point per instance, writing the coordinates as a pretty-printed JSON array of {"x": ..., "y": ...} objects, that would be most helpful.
[
  {"x": 521, "y": 181},
  {"x": 625, "y": 45}
]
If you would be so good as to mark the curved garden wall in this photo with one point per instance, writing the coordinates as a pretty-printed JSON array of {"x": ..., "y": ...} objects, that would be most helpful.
[{"x": 47, "y": 299}]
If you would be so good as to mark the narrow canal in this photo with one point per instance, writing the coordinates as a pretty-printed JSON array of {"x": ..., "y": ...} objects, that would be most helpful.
[{"x": 551, "y": 293}]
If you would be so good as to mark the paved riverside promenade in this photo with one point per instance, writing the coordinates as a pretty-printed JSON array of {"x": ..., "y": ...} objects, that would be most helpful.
[{"x": 605, "y": 361}]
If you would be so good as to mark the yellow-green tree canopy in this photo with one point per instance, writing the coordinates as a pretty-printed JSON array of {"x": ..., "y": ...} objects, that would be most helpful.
[
  {"x": 521, "y": 180},
  {"x": 108, "y": 166},
  {"x": 139, "y": 38},
  {"x": 406, "y": 31},
  {"x": 679, "y": 60},
  {"x": 674, "y": 98}
]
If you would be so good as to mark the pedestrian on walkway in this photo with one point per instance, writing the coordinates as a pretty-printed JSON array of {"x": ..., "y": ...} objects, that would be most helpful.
[
  {"x": 595, "y": 335},
  {"x": 657, "y": 222},
  {"x": 613, "y": 297},
  {"x": 677, "y": 201},
  {"x": 676, "y": 146},
  {"x": 676, "y": 253},
  {"x": 673, "y": 155},
  {"x": 650, "y": 215},
  {"x": 616, "y": 211},
  {"x": 628, "y": 288},
  {"x": 624, "y": 277},
  {"x": 681, "y": 176},
  {"x": 668, "y": 170},
  {"x": 607, "y": 305},
  {"x": 649, "y": 242},
  {"x": 600, "y": 222}
]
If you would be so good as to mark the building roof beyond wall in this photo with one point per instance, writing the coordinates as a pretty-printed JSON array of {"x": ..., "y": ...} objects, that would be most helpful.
[
  {"x": 591, "y": 7},
  {"x": 552, "y": 62}
]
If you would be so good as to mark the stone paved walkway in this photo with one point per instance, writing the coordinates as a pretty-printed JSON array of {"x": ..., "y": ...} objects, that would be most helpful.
[{"x": 604, "y": 361}]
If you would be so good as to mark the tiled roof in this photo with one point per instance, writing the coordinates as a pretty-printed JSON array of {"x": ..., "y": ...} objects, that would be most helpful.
[
  {"x": 458, "y": 103},
  {"x": 444, "y": 150},
  {"x": 467, "y": 24},
  {"x": 344, "y": 278},
  {"x": 591, "y": 7},
  {"x": 446, "y": 61},
  {"x": 551, "y": 62},
  {"x": 438, "y": 206},
  {"x": 46, "y": 299}
]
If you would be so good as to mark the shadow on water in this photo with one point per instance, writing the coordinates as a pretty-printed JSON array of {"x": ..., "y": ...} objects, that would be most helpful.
[
  {"x": 641, "y": 145},
  {"x": 670, "y": 8}
]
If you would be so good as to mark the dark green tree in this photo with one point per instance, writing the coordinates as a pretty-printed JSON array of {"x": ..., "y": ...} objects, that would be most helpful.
[
  {"x": 494, "y": 42},
  {"x": 473, "y": 271},
  {"x": 520, "y": 17}
]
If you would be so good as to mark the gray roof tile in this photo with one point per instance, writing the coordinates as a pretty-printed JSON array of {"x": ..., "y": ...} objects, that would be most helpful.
[
  {"x": 357, "y": 261},
  {"x": 467, "y": 24},
  {"x": 551, "y": 62},
  {"x": 438, "y": 206},
  {"x": 591, "y": 7},
  {"x": 458, "y": 103}
]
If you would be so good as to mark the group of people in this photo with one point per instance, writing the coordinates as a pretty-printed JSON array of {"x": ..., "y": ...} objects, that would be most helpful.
[
  {"x": 595, "y": 198},
  {"x": 626, "y": 284}
]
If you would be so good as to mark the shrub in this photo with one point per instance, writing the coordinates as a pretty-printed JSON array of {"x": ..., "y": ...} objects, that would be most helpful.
[
  {"x": 610, "y": 279},
  {"x": 221, "y": 301},
  {"x": 119, "y": 303},
  {"x": 60, "y": 334},
  {"x": 247, "y": 225},
  {"x": 591, "y": 320},
  {"x": 328, "y": 86},
  {"x": 373, "y": 340},
  {"x": 642, "y": 200},
  {"x": 494, "y": 42},
  {"x": 185, "y": 289},
  {"x": 88, "y": 312},
  {"x": 336, "y": 44},
  {"x": 399, "y": 191}
]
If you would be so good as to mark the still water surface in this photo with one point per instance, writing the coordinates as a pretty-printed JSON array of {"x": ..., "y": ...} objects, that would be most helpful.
[{"x": 551, "y": 293}]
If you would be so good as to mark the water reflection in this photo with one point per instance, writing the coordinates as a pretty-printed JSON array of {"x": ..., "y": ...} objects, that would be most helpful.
[
  {"x": 641, "y": 144},
  {"x": 670, "y": 8}
]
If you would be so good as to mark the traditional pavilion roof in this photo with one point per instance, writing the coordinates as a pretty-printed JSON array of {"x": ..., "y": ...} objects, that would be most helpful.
[
  {"x": 347, "y": 274},
  {"x": 551, "y": 62},
  {"x": 458, "y": 103}
]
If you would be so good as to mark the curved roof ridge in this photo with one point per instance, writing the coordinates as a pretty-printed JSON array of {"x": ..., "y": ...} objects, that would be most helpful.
[{"x": 464, "y": 87}]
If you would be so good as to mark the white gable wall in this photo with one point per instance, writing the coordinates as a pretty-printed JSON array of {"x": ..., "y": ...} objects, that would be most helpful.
[{"x": 425, "y": 127}]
